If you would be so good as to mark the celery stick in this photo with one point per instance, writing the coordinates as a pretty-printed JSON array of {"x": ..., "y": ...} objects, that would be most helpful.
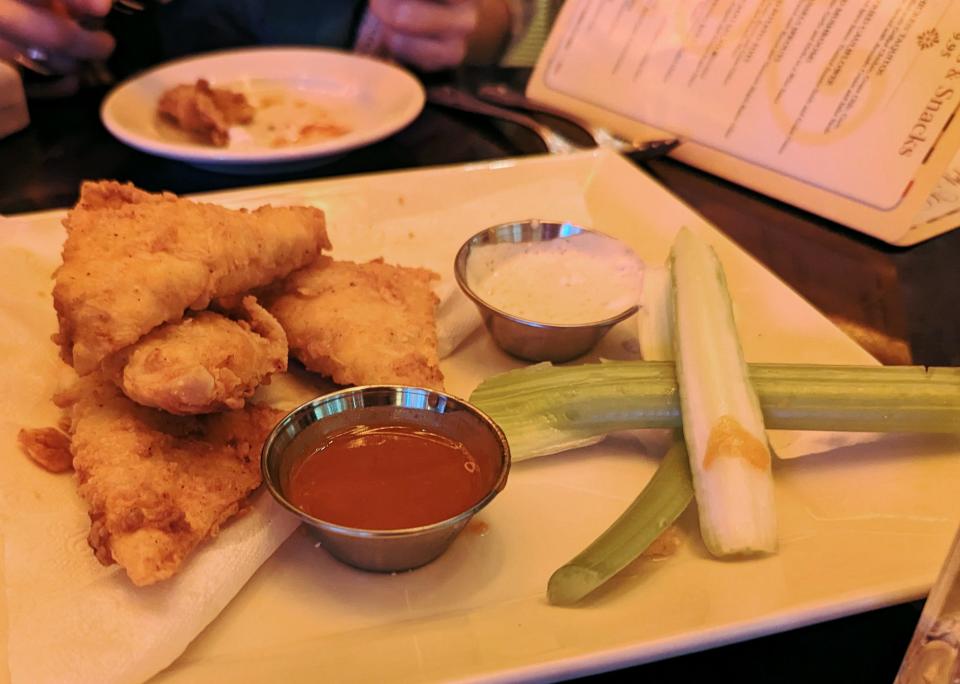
[
  {"x": 546, "y": 409},
  {"x": 722, "y": 422},
  {"x": 542, "y": 416},
  {"x": 660, "y": 503},
  {"x": 654, "y": 319},
  {"x": 665, "y": 496}
]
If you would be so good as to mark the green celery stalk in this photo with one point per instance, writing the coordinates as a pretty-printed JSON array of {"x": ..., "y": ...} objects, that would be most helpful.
[
  {"x": 545, "y": 409},
  {"x": 661, "y": 502},
  {"x": 666, "y": 495}
]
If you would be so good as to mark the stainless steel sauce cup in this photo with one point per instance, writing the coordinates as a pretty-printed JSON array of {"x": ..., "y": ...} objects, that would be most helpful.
[
  {"x": 306, "y": 428},
  {"x": 526, "y": 339}
]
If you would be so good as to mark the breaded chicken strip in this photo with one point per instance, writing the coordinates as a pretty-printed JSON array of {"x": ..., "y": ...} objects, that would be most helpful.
[
  {"x": 206, "y": 362},
  {"x": 205, "y": 112},
  {"x": 158, "y": 485},
  {"x": 133, "y": 261},
  {"x": 362, "y": 324}
]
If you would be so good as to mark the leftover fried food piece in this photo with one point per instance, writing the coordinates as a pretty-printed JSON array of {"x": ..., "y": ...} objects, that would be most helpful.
[
  {"x": 206, "y": 362},
  {"x": 47, "y": 447},
  {"x": 134, "y": 260},
  {"x": 157, "y": 485},
  {"x": 205, "y": 112},
  {"x": 371, "y": 323}
]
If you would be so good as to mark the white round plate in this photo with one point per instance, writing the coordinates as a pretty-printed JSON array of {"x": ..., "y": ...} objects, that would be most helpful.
[{"x": 373, "y": 99}]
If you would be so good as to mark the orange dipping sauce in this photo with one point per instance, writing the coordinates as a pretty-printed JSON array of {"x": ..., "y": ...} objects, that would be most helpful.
[{"x": 389, "y": 477}]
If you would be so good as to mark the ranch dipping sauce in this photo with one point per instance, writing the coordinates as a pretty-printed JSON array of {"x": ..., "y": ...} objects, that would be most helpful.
[{"x": 583, "y": 278}]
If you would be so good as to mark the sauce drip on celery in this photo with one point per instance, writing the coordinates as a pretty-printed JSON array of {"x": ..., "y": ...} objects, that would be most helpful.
[{"x": 730, "y": 439}]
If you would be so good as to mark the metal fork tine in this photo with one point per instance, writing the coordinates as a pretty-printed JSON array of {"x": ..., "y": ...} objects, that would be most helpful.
[
  {"x": 455, "y": 98},
  {"x": 505, "y": 96},
  {"x": 638, "y": 150},
  {"x": 35, "y": 65},
  {"x": 129, "y": 6}
]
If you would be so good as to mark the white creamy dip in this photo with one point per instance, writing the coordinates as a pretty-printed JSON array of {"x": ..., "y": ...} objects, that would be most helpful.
[{"x": 583, "y": 278}]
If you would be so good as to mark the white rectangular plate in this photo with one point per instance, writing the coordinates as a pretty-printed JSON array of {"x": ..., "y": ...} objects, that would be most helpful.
[{"x": 860, "y": 527}]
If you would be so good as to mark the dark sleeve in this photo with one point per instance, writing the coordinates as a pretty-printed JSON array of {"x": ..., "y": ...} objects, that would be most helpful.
[
  {"x": 185, "y": 27},
  {"x": 331, "y": 23}
]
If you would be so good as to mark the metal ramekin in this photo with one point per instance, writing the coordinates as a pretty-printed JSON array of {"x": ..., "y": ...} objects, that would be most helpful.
[
  {"x": 523, "y": 338},
  {"x": 305, "y": 428}
]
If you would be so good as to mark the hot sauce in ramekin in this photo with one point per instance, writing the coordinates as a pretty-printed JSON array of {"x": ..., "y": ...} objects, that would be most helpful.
[{"x": 389, "y": 477}]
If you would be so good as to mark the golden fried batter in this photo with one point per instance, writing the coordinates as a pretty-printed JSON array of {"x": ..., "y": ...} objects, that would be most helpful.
[
  {"x": 47, "y": 447},
  {"x": 205, "y": 112},
  {"x": 361, "y": 324},
  {"x": 157, "y": 485},
  {"x": 133, "y": 261},
  {"x": 204, "y": 363}
]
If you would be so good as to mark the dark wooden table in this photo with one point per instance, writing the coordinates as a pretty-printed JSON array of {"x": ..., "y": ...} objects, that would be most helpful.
[{"x": 899, "y": 303}]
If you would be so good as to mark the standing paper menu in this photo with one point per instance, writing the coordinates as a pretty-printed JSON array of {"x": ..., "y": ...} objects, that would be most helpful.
[{"x": 843, "y": 108}]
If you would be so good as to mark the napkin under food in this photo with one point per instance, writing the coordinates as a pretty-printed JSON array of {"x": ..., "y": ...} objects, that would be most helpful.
[{"x": 68, "y": 617}]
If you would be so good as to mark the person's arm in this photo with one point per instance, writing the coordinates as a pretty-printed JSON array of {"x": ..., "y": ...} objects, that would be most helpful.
[
  {"x": 437, "y": 34},
  {"x": 489, "y": 39}
]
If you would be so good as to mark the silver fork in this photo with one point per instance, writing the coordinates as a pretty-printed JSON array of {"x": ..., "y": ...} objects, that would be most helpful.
[
  {"x": 508, "y": 97},
  {"x": 448, "y": 96},
  {"x": 128, "y": 6}
]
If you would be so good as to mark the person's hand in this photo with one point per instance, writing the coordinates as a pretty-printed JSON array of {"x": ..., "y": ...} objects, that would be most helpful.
[
  {"x": 428, "y": 34},
  {"x": 49, "y": 31}
]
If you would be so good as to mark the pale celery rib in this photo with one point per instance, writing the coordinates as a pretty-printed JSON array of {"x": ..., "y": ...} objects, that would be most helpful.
[
  {"x": 723, "y": 423},
  {"x": 546, "y": 409},
  {"x": 661, "y": 502}
]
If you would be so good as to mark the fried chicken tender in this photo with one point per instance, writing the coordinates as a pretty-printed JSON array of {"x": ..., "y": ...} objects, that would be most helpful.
[
  {"x": 205, "y": 112},
  {"x": 134, "y": 260},
  {"x": 158, "y": 485},
  {"x": 371, "y": 323},
  {"x": 204, "y": 363}
]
